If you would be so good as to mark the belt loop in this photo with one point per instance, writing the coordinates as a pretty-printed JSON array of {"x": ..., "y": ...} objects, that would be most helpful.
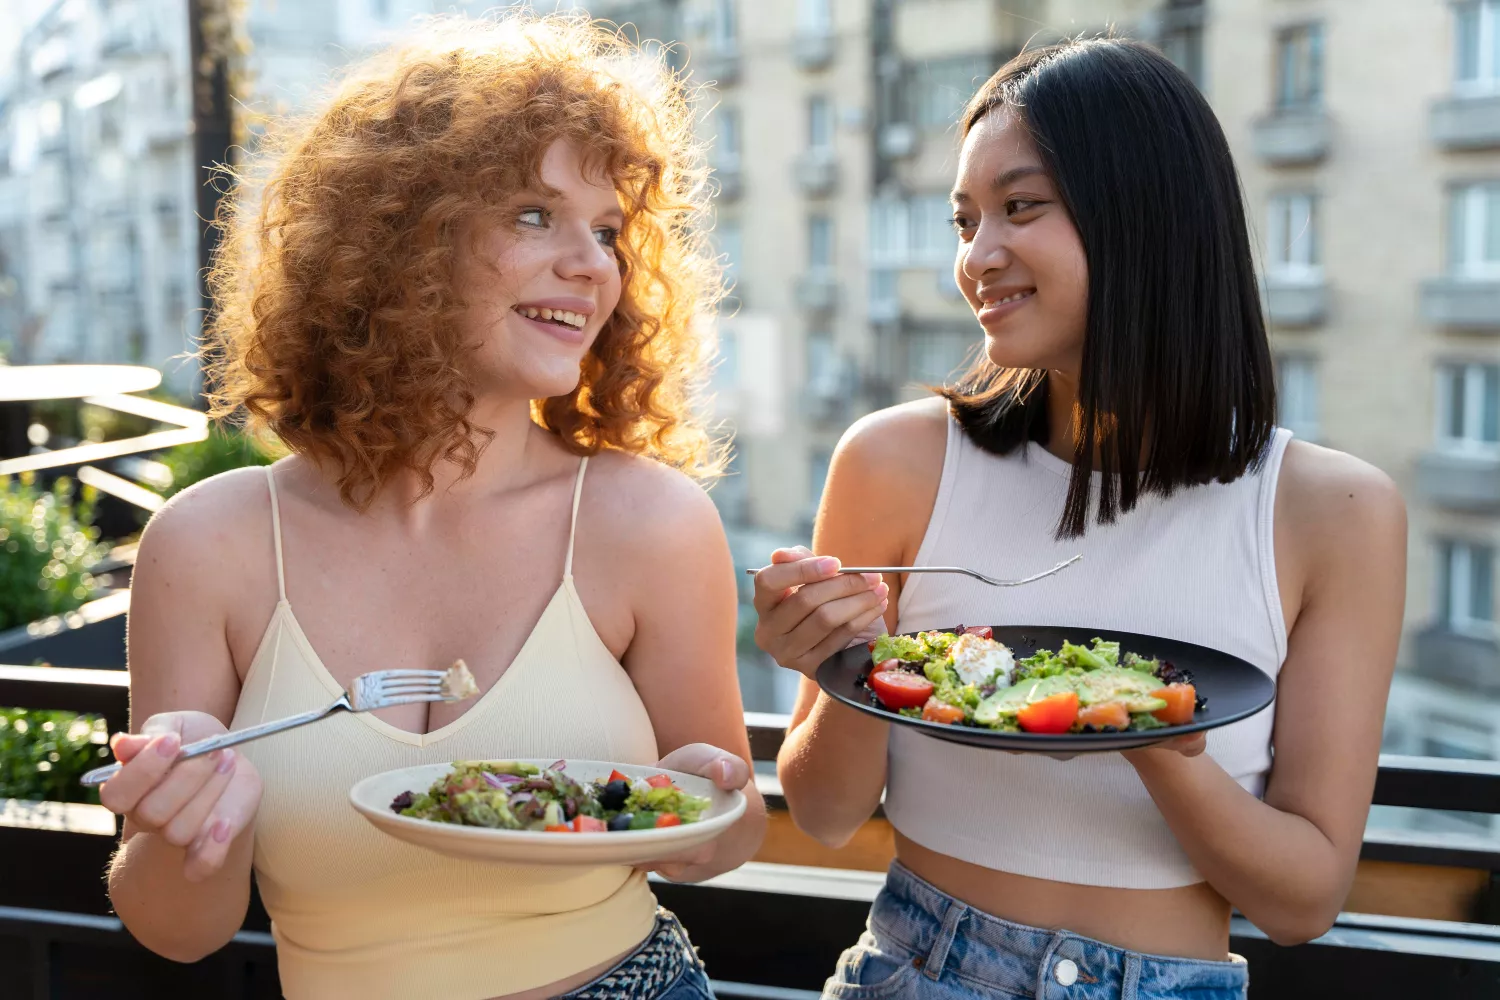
[
  {"x": 932, "y": 968},
  {"x": 1130, "y": 977}
]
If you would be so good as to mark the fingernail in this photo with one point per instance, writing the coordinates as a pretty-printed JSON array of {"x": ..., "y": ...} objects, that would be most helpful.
[
  {"x": 167, "y": 745},
  {"x": 881, "y": 590},
  {"x": 226, "y": 761},
  {"x": 827, "y": 565},
  {"x": 883, "y": 605},
  {"x": 221, "y": 830}
]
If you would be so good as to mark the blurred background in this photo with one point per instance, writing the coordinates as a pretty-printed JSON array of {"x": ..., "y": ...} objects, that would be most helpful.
[{"x": 1367, "y": 133}]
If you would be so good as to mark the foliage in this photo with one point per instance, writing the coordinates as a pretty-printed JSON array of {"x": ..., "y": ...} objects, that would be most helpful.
[
  {"x": 47, "y": 547},
  {"x": 42, "y": 754},
  {"x": 222, "y": 450}
]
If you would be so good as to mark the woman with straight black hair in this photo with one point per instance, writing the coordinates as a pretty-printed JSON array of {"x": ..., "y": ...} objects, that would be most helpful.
[{"x": 1124, "y": 408}]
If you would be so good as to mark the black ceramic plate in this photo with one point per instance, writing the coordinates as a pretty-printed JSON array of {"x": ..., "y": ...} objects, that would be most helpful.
[{"x": 1234, "y": 690}]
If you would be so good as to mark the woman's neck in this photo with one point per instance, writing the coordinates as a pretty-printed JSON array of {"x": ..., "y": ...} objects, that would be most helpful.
[{"x": 1062, "y": 414}]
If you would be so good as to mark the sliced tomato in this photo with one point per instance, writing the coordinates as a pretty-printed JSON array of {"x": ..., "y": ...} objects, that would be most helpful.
[
  {"x": 898, "y": 689},
  {"x": 617, "y": 776},
  {"x": 1181, "y": 700},
  {"x": 884, "y": 665},
  {"x": 1110, "y": 713},
  {"x": 871, "y": 646},
  {"x": 1052, "y": 714},
  {"x": 659, "y": 781},
  {"x": 588, "y": 824},
  {"x": 668, "y": 819},
  {"x": 560, "y": 828},
  {"x": 983, "y": 631},
  {"x": 941, "y": 711}
]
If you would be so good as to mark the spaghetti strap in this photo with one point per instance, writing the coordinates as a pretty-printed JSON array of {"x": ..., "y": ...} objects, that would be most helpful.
[
  {"x": 276, "y": 533},
  {"x": 573, "y": 525}
]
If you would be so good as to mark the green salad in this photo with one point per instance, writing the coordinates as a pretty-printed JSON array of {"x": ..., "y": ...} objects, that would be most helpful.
[{"x": 508, "y": 795}]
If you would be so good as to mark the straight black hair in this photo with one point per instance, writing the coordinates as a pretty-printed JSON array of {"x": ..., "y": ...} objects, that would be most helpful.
[{"x": 1175, "y": 342}]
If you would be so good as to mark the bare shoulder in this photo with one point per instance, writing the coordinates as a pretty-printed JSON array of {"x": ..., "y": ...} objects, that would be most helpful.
[
  {"x": 913, "y": 434},
  {"x": 642, "y": 505},
  {"x": 1344, "y": 520},
  {"x": 222, "y": 521}
]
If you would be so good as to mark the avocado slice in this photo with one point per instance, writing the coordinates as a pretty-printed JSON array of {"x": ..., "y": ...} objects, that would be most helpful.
[
  {"x": 1132, "y": 688},
  {"x": 1007, "y": 702}
]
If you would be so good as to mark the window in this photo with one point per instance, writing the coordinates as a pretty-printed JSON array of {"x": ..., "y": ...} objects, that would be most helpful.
[
  {"x": 1298, "y": 389},
  {"x": 1468, "y": 408},
  {"x": 888, "y": 232},
  {"x": 885, "y": 298},
  {"x": 815, "y": 17},
  {"x": 819, "y": 242},
  {"x": 1466, "y": 587},
  {"x": 1476, "y": 47},
  {"x": 1299, "y": 68},
  {"x": 817, "y": 475},
  {"x": 822, "y": 361},
  {"x": 726, "y": 373},
  {"x": 727, "y": 143},
  {"x": 1182, "y": 38},
  {"x": 1474, "y": 231},
  {"x": 819, "y": 124},
  {"x": 914, "y": 232},
  {"x": 941, "y": 88},
  {"x": 731, "y": 250},
  {"x": 724, "y": 26},
  {"x": 1292, "y": 238},
  {"x": 932, "y": 357}
]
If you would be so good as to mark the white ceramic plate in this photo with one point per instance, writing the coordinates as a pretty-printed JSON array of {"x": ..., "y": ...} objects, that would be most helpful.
[{"x": 374, "y": 794}]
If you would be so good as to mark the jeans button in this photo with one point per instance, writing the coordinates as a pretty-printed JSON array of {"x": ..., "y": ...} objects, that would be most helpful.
[{"x": 1065, "y": 972}]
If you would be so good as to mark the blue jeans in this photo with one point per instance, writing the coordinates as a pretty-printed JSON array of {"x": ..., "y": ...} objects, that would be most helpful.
[
  {"x": 665, "y": 966},
  {"x": 925, "y": 945}
]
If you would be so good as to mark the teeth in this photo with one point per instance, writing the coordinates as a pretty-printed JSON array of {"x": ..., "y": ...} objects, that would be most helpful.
[
  {"x": 1011, "y": 298},
  {"x": 575, "y": 320}
]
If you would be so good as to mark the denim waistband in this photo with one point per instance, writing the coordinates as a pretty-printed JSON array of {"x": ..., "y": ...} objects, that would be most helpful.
[{"x": 943, "y": 934}]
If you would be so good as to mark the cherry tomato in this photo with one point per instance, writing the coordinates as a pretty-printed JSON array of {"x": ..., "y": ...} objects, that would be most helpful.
[
  {"x": 983, "y": 631},
  {"x": 659, "y": 781},
  {"x": 1053, "y": 714},
  {"x": 588, "y": 824},
  {"x": 899, "y": 689},
  {"x": 1181, "y": 699},
  {"x": 668, "y": 819},
  {"x": 1110, "y": 713},
  {"x": 559, "y": 828},
  {"x": 941, "y": 711},
  {"x": 617, "y": 776}
]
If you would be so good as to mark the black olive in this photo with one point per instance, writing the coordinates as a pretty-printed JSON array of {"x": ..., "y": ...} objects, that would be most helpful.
[
  {"x": 620, "y": 822},
  {"x": 614, "y": 794},
  {"x": 402, "y": 801}
]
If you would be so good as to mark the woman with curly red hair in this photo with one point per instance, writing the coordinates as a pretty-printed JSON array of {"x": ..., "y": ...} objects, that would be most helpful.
[{"x": 465, "y": 297}]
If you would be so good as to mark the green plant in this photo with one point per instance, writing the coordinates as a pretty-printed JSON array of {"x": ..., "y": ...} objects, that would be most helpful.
[
  {"x": 47, "y": 546},
  {"x": 42, "y": 754},
  {"x": 222, "y": 450}
]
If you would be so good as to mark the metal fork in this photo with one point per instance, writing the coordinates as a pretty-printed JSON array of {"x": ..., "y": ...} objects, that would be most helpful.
[
  {"x": 955, "y": 569},
  {"x": 367, "y": 692}
]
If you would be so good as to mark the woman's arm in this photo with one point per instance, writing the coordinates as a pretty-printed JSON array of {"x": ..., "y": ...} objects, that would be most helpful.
[
  {"x": 682, "y": 656},
  {"x": 181, "y": 878},
  {"x": 882, "y": 483},
  {"x": 1287, "y": 862}
]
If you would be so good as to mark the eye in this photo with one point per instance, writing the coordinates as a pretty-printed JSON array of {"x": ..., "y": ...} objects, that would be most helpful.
[
  {"x": 962, "y": 225},
  {"x": 607, "y": 236},
  {"x": 532, "y": 217},
  {"x": 1016, "y": 206}
]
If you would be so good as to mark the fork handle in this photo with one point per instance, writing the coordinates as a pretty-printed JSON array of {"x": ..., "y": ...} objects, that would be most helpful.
[{"x": 100, "y": 775}]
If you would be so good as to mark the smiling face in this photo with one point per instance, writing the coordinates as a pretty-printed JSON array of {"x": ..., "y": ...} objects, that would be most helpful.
[
  {"x": 540, "y": 283},
  {"x": 1021, "y": 263}
]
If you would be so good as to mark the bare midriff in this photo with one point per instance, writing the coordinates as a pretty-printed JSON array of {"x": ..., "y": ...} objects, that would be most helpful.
[{"x": 1190, "y": 921}]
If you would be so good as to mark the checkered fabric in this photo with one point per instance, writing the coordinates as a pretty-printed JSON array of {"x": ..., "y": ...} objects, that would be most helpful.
[{"x": 647, "y": 971}]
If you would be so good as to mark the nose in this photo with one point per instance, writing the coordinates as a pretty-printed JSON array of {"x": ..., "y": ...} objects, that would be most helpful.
[
  {"x": 987, "y": 251},
  {"x": 583, "y": 258}
]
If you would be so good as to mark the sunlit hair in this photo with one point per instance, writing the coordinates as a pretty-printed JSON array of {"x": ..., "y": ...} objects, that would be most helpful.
[{"x": 335, "y": 326}]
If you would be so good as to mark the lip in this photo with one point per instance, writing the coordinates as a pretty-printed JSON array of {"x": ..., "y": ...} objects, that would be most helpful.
[
  {"x": 992, "y": 310},
  {"x": 564, "y": 303},
  {"x": 566, "y": 334}
]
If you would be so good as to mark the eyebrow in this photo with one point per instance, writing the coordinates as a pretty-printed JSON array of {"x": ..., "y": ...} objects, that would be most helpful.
[{"x": 1004, "y": 180}]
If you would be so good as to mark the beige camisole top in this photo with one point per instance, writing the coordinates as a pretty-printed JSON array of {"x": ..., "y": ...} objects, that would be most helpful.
[{"x": 357, "y": 913}]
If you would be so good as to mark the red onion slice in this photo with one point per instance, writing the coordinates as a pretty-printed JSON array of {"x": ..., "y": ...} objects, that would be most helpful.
[{"x": 499, "y": 780}]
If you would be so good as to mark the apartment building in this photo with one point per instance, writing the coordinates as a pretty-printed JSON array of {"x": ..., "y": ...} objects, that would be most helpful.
[{"x": 1368, "y": 137}]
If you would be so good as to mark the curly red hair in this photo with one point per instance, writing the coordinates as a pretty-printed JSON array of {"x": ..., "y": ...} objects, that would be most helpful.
[{"x": 335, "y": 322}]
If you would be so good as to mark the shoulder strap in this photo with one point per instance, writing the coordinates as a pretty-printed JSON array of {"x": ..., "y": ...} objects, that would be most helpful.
[
  {"x": 573, "y": 524},
  {"x": 276, "y": 532}
]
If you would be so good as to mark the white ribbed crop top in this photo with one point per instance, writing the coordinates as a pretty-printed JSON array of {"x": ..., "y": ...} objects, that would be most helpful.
[{"x": 1198, "y": 567}]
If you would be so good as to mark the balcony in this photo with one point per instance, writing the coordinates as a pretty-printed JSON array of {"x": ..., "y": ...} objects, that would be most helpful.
[
  {"x": 1293, "y": 138},
  {"x": 818, "y": 292},
  {"x": 1296, "y": 303},
  {"x": 717, "y": 66},
  {"x": 1460, "y": 481},
  {"x": 1461, "y": 304},
  {"x": 898, "y": 140},
  {"x": 1460, "y": 123},
  {"x": 817, "y": 173},
  {"x": 813, "y": 50},
  {"x": 1469, "y": 663}
]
